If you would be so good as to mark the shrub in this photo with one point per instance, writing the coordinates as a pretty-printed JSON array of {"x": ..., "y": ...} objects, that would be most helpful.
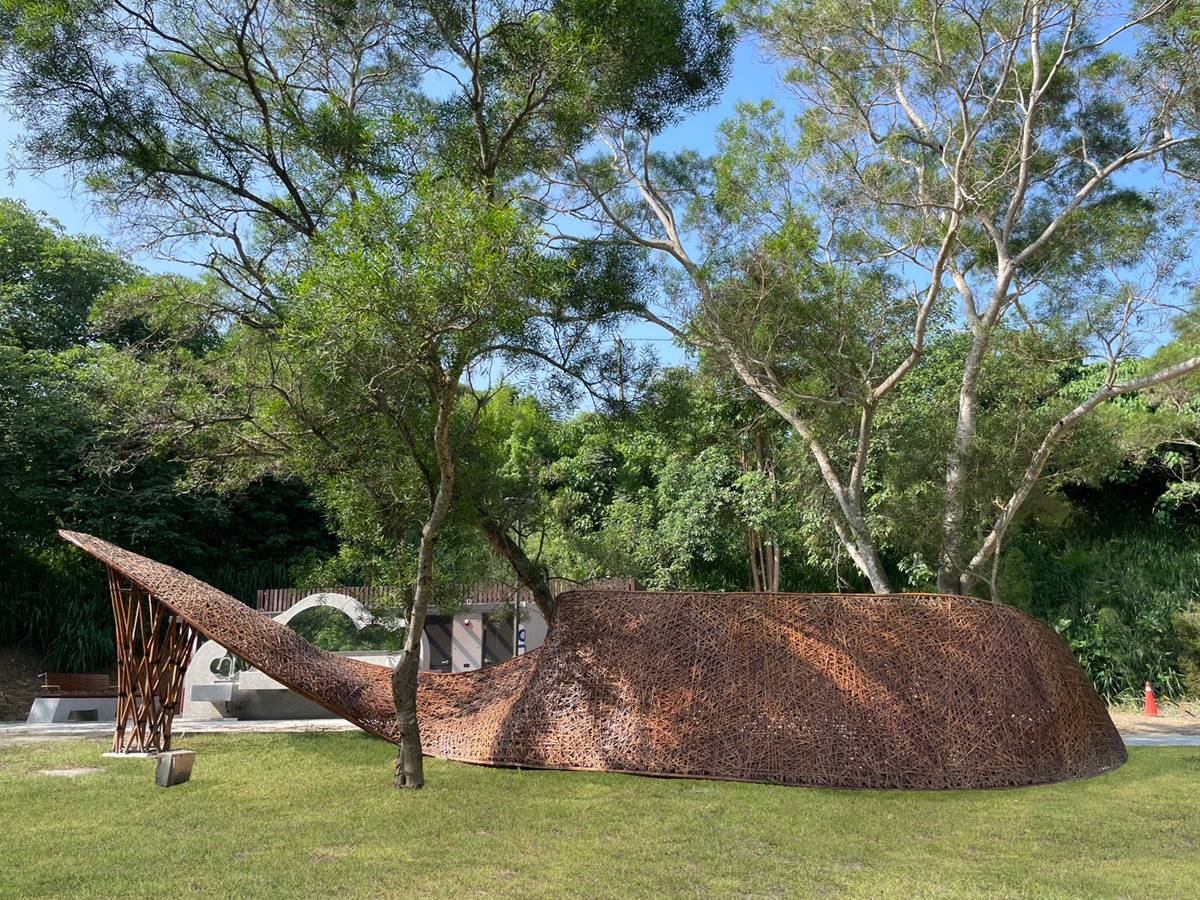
[
  {"x": 1187, "y": 624},
  {"x": 331, "y": 629},
  {"x": 1114, "y": 591}
]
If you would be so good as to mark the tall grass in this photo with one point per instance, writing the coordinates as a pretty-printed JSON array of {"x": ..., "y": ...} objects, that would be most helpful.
[{"x": 66, "y": 618}]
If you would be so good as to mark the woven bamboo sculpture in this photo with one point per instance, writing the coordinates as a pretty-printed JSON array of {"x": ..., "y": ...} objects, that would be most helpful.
[
  {"x": 154, "y": 646},
  {"x": 835, "y": 690}
]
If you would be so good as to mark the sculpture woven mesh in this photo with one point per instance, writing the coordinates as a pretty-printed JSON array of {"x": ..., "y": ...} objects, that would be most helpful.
[{"x": 912, "y": 691}]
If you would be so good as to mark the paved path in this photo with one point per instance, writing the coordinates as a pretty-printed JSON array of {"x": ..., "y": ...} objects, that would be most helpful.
[
  {"x": 1160, "y": 739},
  {"x": 19, "y": 733},
  {"x": 1179, "y": 730}
]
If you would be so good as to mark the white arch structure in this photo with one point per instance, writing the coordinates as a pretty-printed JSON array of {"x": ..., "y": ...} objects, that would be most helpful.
[{"x": 200, "y": 672}]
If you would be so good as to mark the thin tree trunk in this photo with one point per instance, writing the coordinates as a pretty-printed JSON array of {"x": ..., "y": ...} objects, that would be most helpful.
[
  {"x": 865, "y": 558},
  {"x": 949, "y": 568},
  {"x": 756, "y": 580},
  {"x": 950, "y": 564},
  {"x": 530, "y": 574},
  {"x": 853, "y": 530},
  {"x": 410, "y": 767},
  {"x": 851, "y": 527}
]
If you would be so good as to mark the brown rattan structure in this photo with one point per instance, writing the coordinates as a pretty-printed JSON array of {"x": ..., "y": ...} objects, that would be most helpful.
[
  {"x": 834, "y": 690},
  {"x": 154, "y": 646}
]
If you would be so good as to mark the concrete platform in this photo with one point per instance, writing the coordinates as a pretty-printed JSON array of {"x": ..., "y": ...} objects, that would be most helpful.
[{"x": 51, "y": 710}]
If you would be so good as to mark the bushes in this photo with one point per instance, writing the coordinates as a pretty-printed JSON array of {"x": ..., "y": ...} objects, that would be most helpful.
[
  {"x": 57, "y": 604},
  {"x": 331, "y": 629},
  {"x": 58, "y": 609},
  {"x": 1116, "y": 593},
  {"x": 1187, "y": 624}
]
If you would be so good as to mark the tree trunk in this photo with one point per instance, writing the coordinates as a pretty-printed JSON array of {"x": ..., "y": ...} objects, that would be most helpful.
[
  {"x": 410, "y": 767},
  {"x": 852, "y": 529},
  {"x": 530, "y": 574},
  {"x": 756, "y": 578},
  {"x": 766, "y": 562},
  {"x": 950, "y": 564},
  {"x": 989, "y": 549},
  {"x": 865, "y": 555}
]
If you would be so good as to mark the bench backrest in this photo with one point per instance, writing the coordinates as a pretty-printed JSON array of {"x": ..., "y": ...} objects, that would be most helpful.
[{"x": 75, "y": 682}]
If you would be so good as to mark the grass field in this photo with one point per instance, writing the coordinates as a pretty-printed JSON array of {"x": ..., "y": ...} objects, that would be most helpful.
[{"x": 313, "y": 815}]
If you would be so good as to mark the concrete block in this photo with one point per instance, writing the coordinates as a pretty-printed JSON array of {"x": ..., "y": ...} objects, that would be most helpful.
[
  {"x": 53, "y": 710},
  {"x": 221, "y": 692},
  {"x": 174, "y": 767}
]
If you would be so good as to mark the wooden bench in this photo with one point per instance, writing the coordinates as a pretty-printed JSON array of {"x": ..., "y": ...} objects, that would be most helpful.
[{"x": 76, "y": 684}]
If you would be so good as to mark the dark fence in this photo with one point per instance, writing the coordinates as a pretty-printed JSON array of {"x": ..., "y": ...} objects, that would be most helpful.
[{"x": 277, "y": 600}]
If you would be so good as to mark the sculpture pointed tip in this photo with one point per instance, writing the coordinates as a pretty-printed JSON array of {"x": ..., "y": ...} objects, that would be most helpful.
[{"x": 78, "y": 538}]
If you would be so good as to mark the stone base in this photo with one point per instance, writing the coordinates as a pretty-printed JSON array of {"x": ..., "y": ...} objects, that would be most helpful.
[
  {"x": 174, "y": 767},
  {"x": 111, "y": 754},
  {"x": 53, "y": 710}
]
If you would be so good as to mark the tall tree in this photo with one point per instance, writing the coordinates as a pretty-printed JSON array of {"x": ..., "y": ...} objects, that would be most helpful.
[
  {"x": 237, "y": 133},
  {"x": 57, "y": 465},
  {"x": 229, "y": 132},
  {"x": 990, "y": 167}
]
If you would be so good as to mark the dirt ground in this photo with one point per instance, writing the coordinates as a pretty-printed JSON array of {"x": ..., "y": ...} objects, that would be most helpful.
[
  {"x": 1172, "y": 719},
  {"x": 19, "y": 683}
]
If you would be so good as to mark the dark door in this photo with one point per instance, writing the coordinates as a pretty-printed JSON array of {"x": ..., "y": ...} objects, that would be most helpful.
[
  {"x": 438, "y": 630},
  {"x": 497, "y": 638}
]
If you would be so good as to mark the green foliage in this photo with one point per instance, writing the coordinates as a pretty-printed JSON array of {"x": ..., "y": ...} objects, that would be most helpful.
[
  {"x": 217, "y": 111},
  {"x": 59, "y": 469},
  {"x": 58, "y": 608},
  {"x": 1187, "y": 624},
  {"x": 378, "y": 268},
  {"x": 49, "y": 280},
  {"x": 331, "y": 629},
  {"x": 672, "y": 491},
  {"x": 1114, "y": 590}
]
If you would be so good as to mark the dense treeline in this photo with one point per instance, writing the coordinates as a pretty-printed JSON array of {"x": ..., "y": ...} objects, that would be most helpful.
[
  {"x": 687, "y": 486},
  {"x": 685, "y": 489},
  {"x": 58, "y": 470},
  {"x": 937, "y": 295}
]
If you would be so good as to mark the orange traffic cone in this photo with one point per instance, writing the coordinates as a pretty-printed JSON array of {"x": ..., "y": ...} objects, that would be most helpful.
[{"x": 1151, "y": 703}]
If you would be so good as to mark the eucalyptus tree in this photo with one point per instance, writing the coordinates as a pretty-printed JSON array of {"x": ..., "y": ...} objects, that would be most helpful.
[{"x": 1019, "y": 167}]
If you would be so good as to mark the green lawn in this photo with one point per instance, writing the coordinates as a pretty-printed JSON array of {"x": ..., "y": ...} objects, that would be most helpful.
[{"x": 314, "y": 815}]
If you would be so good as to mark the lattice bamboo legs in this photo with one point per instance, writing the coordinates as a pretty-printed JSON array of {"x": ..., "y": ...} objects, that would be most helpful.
[{"x": 153, "y": 649}]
